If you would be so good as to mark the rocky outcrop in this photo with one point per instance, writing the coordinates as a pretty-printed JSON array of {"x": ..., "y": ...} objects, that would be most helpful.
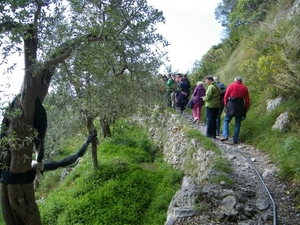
[
  {"x": 184, "y": 154},
  {"x": 294, "y": 10},
  {"x": 273, "y": 103},
  {"x": 282, "y": 121},
  {"x": 179, "y": 151}
]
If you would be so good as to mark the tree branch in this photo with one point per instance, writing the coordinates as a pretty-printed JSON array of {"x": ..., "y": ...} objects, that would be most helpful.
[{"x": 7, "y": 26}]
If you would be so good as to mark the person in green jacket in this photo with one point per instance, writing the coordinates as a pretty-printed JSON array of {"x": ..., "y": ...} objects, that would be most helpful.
[
  {"x": 212, "y": 105},
  {"x": 170, "y": 89}
]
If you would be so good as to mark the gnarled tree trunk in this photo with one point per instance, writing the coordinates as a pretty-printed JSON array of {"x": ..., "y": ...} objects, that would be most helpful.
[
  {"x": 92, "y": 130},
  {"x": 18, "y": 199},
  {"x": 105, "y": 128}
]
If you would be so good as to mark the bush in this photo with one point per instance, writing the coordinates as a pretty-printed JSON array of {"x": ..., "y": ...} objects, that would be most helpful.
[{"x": 128, "y": 187}]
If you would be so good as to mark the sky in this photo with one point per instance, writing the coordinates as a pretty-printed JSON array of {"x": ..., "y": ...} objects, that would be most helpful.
[{"x": 190, "y": 28}]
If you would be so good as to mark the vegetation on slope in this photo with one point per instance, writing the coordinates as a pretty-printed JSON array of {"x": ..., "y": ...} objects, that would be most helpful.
[
  {"x": 130, "y": 187},
  {"x": 264, "y": 51}
]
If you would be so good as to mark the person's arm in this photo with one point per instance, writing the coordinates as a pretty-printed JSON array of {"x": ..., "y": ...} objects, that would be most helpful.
[
  {"x": 226, "y": 95},
  {"x": 208, "y": 94},
  {"x": 247, "y": 100}
]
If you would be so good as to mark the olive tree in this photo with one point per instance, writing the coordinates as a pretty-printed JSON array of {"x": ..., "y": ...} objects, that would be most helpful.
[{"x": 50, "y": 33}]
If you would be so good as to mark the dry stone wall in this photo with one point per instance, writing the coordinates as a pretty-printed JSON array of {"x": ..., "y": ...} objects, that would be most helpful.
[
  {"x": 181, "y": 152},
  {"x": 185, "y": 154}
]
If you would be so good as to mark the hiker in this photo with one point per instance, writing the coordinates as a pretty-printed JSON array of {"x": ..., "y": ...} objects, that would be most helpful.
[
  {"x": 170, "y": 89},
  {"x": 223, "y": 90},
  {"x": 173, "y": 94},
  {"x": 236, "y": 103},
  {"x": 198, "y": 94},
  {"x": 183, "y": 94},
  {"x": 188, "y": 82},
  {"x": 212, "y": 105}
]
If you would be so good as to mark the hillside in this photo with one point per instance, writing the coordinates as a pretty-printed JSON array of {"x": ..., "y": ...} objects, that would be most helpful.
[{"x": 265, "y": 53}]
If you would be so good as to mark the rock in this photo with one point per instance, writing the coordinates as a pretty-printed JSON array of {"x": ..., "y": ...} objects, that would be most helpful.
[
  {"x": 227, "y": 207},
  {"x": 223, "y": 183},
  {"x": 183, "y": 202},
  {"x": 263, "y": 204},
  {"x": 281, "y": 122},
  {"x": 273, "y": 103},
  {"x": 268, "y": 174},
  {"x": 183, "y": 212},
  {"x": 267, "y": 217}
]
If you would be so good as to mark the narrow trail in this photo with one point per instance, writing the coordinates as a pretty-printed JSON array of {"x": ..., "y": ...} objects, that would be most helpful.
[{"x": 243, "y": 157}]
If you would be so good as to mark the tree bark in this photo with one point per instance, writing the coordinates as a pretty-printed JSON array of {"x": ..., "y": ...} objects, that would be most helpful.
[
  {"x": 18, "y": 200},
  {"x": 92, "y": 130},
  {"x": 105, "y": 128}
]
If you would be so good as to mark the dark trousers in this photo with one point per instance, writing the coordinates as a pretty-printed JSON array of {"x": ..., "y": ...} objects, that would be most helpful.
[{"x": 211, "y": 121}]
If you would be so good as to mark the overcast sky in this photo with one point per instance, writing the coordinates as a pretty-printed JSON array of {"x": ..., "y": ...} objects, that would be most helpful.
[{"x": 190, "y": 28}]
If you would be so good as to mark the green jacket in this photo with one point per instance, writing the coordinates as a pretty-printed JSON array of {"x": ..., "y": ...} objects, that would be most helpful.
[
  {"x": 212, "y": 97},
  {"x": 170, "y": 85}
]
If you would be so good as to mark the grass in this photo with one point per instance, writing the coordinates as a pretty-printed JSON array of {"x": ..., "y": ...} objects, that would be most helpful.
[
  {"x": 224, "y": 167},
  {"x": 205, "y": 142},
  {"x": 282, "y": 147},
  {"x": 128, "y": 188}
]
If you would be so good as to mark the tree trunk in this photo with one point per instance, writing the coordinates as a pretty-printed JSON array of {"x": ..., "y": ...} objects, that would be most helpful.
[
  {"x": 18, "y": 200},
  {"x": 105, "y": 128},
  {"x": 92, "y": 130}
]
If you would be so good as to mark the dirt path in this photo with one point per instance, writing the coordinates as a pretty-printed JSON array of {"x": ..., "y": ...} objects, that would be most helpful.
[{"x": 243, "y": 157}]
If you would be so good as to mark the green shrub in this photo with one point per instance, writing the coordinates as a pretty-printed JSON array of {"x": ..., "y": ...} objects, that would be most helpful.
[{"x": 127, "y": 188}]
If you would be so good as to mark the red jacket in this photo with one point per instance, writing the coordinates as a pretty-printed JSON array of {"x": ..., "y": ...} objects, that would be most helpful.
[{"x": 237, "y": 90}]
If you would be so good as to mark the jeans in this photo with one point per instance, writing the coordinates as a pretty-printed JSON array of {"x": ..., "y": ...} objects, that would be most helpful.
[
  {"x": 211, "y": 121},
  {"x": 219, "y": 120},
  {"x": 237, "y": 127}
]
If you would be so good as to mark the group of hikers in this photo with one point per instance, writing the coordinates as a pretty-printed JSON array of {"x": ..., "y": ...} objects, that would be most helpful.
[{"x": 234, "y": 100}]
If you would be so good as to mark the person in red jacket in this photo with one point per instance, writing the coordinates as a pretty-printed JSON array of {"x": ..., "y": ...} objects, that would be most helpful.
[{"x": 236, "y": 103}]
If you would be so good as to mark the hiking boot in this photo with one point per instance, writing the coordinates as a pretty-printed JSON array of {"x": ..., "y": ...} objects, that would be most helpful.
[{"x": 224, "y": 139}]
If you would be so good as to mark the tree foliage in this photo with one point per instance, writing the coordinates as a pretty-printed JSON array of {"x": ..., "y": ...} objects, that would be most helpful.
[
  {"x": 58, "y": 33},
  {"x": 233, "y": 14},
  {"x": 248, "y": 12},
  {"x": 223, "y": 11}
]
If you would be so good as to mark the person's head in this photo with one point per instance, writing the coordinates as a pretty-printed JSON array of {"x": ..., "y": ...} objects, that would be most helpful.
[
  {"x": 209, "y": 79},
  {"x": 216, "y": 79},
  {"x": 200, "y": 83},
  {"x": 238, "y": 79}
]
